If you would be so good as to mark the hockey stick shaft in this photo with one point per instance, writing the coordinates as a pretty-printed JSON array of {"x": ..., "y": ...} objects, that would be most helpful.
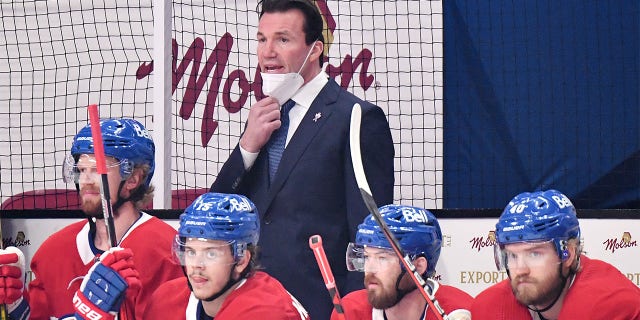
[
  {"x": 365, "y": 191},
  {"x": 315, "y": 243},
  {"x": 101, "y": 166}
]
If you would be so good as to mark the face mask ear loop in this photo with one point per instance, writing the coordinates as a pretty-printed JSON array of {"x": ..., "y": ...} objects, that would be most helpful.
[{"x": 307, "y": 57}]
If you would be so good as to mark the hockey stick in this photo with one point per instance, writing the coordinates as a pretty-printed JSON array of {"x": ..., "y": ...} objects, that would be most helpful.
[
  {"x": 315, "y": 243},
  {"x": 101, "y": 167},
  {"x": 365, "y": 191}
]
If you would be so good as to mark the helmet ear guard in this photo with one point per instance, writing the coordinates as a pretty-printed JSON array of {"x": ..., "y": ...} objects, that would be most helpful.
[{"x": 563, "y": 250}]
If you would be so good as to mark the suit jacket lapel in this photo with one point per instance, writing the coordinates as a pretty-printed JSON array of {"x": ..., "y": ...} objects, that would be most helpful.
[{"x": 301, "y": 139}]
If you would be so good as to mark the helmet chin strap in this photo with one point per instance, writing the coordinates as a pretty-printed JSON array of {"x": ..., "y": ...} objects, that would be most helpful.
[
  {"x": 230, "y": 283},
  {"x": 563, "y": 283},
  {"x": 120, "y": 200},
  {"x": 400, "y": 292}
]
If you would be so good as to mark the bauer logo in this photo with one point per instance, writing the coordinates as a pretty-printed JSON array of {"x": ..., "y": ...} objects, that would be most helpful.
[
  {"x": 624, "y": 242},
  {"x": 480, "y": 242},
  {"x": 195, "y": 223},
  {"x": 513, "y": 228}
]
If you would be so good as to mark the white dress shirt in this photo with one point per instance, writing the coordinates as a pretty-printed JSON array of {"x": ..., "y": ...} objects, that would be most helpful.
[{"x": 303, "y": 98}]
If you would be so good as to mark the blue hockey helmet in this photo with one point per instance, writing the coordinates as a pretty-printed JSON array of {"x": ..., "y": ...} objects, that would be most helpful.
[
  {"x": 125, "y": 139},
  {"x": 219, "y": 216},
  {"x": 417, "y": 231},
  {"x": 539, "y": 216}
]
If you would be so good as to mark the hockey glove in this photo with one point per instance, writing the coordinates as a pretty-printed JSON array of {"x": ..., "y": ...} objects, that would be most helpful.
[
  {"x": 11, "y": 275},
  {"x": 104, "y": 287},
  {"x": 12, "y": 282}
]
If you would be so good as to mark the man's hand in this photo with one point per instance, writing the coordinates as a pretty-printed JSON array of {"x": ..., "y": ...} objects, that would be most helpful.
[
  {"x": 106, "y": 284},
  {"x": 11, "y": 275},
  {"x": 264, "y": 119},
  {"x": 12, "y": 283}
]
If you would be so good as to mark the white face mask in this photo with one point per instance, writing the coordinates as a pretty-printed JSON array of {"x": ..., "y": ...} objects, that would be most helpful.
[{"x": 283, "y": 86}]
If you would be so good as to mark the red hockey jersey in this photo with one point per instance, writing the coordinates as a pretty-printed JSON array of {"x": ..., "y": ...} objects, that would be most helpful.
[
  {"x": 66, "y": 256},
  {"x": 599, "y": 291},
  {"x": 356, "y": 304},
  {"x": 258, "y": 297}
]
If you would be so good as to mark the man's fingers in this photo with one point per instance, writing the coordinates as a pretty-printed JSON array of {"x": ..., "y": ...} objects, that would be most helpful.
[
  {"x": 8, "y": 258},
  {"x": 10, "y": 271},
  {"x": 115, "y": 254}
]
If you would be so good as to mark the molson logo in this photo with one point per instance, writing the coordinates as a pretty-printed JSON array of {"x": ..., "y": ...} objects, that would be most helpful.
[
  {"x": 20, "y": 240},
  {"x": 624, "y": 242},
  {"x": 217, "y": 62},
  {"x": 480, "y": 242}
]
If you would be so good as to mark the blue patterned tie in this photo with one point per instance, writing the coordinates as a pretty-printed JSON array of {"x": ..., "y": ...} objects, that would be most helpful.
[{"x": 278, "y": 139}]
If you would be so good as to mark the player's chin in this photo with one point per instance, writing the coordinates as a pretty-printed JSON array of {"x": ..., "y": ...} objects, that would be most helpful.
[
  {"x": 525, "y": 294},
  {"x": 92, "y": 209},
  {"x": 203, "y": 292}
]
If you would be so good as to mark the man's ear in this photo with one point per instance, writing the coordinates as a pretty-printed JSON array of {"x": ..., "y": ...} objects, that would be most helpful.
[
  {"x": 421, "y": 264},
  {"x": 318, "y": 48},
  {"x": 134, "y": 179},
  {"x": 244, "y": 262}
]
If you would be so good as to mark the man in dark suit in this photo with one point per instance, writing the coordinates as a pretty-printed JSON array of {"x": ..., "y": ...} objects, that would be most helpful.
[{"x": 313, "y": 189}]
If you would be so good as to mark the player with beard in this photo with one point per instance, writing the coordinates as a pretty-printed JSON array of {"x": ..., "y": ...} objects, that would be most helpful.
[
  {"x": 71, "y": 266},
  {"x": 538, "y": 244},
  {"x": 389, "y": 292},
  {"x": 216, "y": 246}
]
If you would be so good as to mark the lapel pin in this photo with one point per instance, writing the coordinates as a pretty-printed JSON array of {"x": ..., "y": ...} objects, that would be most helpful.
[{"x": 317, "y": 116}]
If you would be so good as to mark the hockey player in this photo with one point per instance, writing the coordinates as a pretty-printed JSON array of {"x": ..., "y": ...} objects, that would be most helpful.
[
  {"x": 538, "y": 243},
  {"x": 216, "y": 246},
  {"x": 389, "y": 292},
  {"x": 76, "y": 272}
]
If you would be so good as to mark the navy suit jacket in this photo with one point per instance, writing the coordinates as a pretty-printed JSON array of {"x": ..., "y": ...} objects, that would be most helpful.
[{"x": 315, "y": 192}]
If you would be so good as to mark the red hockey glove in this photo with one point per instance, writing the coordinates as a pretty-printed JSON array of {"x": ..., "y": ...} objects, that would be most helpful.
[{"x": 11, "y": 275}]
